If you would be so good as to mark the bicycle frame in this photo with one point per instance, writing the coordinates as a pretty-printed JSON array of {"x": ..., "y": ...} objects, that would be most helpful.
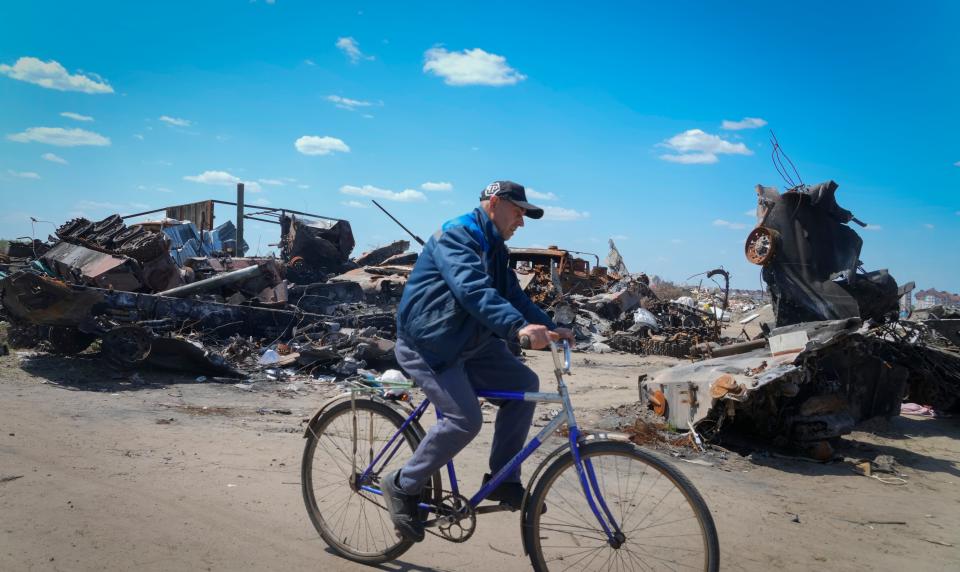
[{"x": 584, "y": 467}]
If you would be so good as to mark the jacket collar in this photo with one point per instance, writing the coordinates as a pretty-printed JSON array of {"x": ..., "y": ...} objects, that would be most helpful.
[{"x": 489, "y": 228}]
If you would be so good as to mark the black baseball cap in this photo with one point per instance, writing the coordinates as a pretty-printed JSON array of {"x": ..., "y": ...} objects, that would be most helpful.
[{"x": 513, "y": 192}]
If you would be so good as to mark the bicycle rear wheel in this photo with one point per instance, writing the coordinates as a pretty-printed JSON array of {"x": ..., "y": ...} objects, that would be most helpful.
[
  {"x": 352, "y": 521},
  {"x": 664, "y": 520}
]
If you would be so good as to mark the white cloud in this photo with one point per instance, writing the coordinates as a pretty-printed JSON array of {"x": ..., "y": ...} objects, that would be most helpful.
[
  {"x": 60, "y": 137},
  {"x": 52, "y": 75},
  {"x": 354, "y": 204},
  {"x": 176, "y": 121},
  {"x": 76, "y": 116},
  {"x": 54, "y": 158},
  {"x": 213, "y": 178},
  {"x": 562, "y": 214},
  {"x": 470, "y": 67},
  {"x": 405, "y": 196},
  {"x": 750, "y": 213},
  {"x": 691, "y": 158},
  {"x": 695, "y": 146},
  {"x": 957, "y": 164},
  {"x": 138, "y": 136},
  {"x": 351, "y": 49},
  {"x": 432, "y": 186},
  {"x": 314, "y": 145},
  {"x": 260, "y": 201},
  {"x": 303, "y": 186},
  {"x": 347, "y": 103},
  {"x": 728, "y": 224},
  {"x": 928, "y": 226},
  {"x": 23, "y": 174},
  {"x": 271, "y": 182},
  {"x": 309, "y": 62},
  {"x": 367, "y": 116},
  {"x": 223, "y": 178},
  {"x": 745, "y": 123},
  {"x": 538, "y": 196},
  {"x": 873, "y": 227}
]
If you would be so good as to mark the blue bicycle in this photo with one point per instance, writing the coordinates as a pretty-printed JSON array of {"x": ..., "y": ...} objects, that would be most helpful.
[{"x": 612, "y": 506}]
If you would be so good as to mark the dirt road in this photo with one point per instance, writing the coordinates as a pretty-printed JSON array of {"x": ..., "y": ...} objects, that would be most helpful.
[{"x": 101, "y": 470}]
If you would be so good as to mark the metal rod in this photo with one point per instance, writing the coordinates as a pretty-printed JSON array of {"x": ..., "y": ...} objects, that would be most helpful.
[
  {"x": 415, "y": 237},
  {"x": 248, "y": 217},
  {"x": 281, "y": 210},
  {"x": 213, "y": 283},
  {"x": 144, "y": 213}
]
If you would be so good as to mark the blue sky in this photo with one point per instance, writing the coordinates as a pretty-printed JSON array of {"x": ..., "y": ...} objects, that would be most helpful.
[{"x": 612, "y": 112}]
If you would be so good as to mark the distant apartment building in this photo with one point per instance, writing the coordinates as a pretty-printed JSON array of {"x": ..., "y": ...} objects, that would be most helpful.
[{"x": 931, "y": 297}]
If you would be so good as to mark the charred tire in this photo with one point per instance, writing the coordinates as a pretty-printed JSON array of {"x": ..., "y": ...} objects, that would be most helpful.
[
  {"x": 127, "y": 346},
  {"x": 72, "y": 228},
  {"x": 613, "y": 463},
  {"x": 145, "y": 247},
  {"x": 327, "y": 458}
]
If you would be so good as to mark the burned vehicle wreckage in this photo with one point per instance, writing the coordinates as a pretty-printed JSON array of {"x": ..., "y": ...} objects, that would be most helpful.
[
  {"x": 838, "y": 353},
  {"x": 180, "y": 293}
]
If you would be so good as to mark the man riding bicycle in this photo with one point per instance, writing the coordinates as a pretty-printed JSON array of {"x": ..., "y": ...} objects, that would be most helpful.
[{"x": 460, "y": 305}]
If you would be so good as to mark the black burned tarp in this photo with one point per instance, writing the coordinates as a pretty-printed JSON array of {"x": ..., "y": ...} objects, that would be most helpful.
[
  {"x": 813, "y": 273},
  {"x": 325, "y": 244}
]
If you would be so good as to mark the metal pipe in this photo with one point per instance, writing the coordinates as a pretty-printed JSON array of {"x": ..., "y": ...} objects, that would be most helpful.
[
  {"x": 707, "y": 349},
  {"x": 238, "y": 251},
  {"x": 213, "y": 282},
  {"x": 219, "y": 202}
]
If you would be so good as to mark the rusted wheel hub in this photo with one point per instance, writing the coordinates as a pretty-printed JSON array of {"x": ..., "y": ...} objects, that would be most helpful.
[{"x": 761, "y": 245}]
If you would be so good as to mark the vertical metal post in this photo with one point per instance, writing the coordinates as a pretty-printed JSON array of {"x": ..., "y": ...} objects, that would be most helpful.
[{"x": 238, "y": 251}]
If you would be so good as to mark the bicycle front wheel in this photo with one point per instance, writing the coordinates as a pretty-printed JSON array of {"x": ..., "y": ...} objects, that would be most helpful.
[
  {"x": 664, "y": 521},
  {"x": 341, "y": 444}
]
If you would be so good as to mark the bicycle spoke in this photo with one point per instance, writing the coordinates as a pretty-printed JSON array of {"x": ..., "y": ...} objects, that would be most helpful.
[
  {"x": 354, "y": 522},
  {"x": 662, "y": 529}
]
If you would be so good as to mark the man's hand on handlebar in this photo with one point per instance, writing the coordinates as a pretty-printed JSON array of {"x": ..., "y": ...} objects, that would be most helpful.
[
  {"x": 564, "y": 334},
  {"x": 537, "y": 337}
]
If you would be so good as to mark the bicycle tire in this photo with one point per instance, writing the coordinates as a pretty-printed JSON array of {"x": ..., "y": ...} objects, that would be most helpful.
[
  {"x": 381, "y": 543},
  {"x": 592, "y": 547}
]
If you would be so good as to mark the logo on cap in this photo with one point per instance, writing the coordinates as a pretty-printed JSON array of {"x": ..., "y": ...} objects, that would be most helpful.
[{"x": 492, "y": 189}]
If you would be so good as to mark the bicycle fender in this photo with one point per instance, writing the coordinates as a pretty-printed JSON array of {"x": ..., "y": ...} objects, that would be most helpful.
[
  {"x": 344, "y": 397},
  {"x": 590, "y": 437}
]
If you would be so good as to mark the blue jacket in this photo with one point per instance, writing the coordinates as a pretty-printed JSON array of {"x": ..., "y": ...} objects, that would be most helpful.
[{"x": 462, "y": 291}]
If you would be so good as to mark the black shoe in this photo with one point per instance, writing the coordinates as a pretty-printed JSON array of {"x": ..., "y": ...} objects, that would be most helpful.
[
  {"x": 403, "y": 509},
  {"x": 507, "y": 493}
]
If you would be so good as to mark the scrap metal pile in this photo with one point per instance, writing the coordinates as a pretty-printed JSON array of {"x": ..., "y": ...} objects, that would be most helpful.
[
  {"x": 169, "y": 295},
  {"x": 838, "y": 353},
  {"x": 611, "y": 309}
]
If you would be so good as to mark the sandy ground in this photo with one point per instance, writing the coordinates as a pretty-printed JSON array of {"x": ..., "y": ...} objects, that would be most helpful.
[{"x": 101, "y": 470}]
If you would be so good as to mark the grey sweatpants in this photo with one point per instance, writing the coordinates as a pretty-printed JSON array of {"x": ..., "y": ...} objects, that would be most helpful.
[{"x": 490, "y": 366}]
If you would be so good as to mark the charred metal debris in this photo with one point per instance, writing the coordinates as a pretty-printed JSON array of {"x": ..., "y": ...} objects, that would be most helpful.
[
  {"x": 832, "y": 345},
  {"x": 836, "y": 350},
  {"x": 180, "y": 295}
]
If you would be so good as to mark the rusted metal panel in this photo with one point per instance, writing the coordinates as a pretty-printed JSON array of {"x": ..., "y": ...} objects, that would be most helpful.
[
  {"x": 199, "y": 213},
  {"x": 75, "y": 263}
]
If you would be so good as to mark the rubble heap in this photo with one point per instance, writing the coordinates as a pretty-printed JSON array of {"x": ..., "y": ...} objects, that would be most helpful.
[
  {"x": 169, "y": 295},
  {"x": 837, "y": 353}
]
